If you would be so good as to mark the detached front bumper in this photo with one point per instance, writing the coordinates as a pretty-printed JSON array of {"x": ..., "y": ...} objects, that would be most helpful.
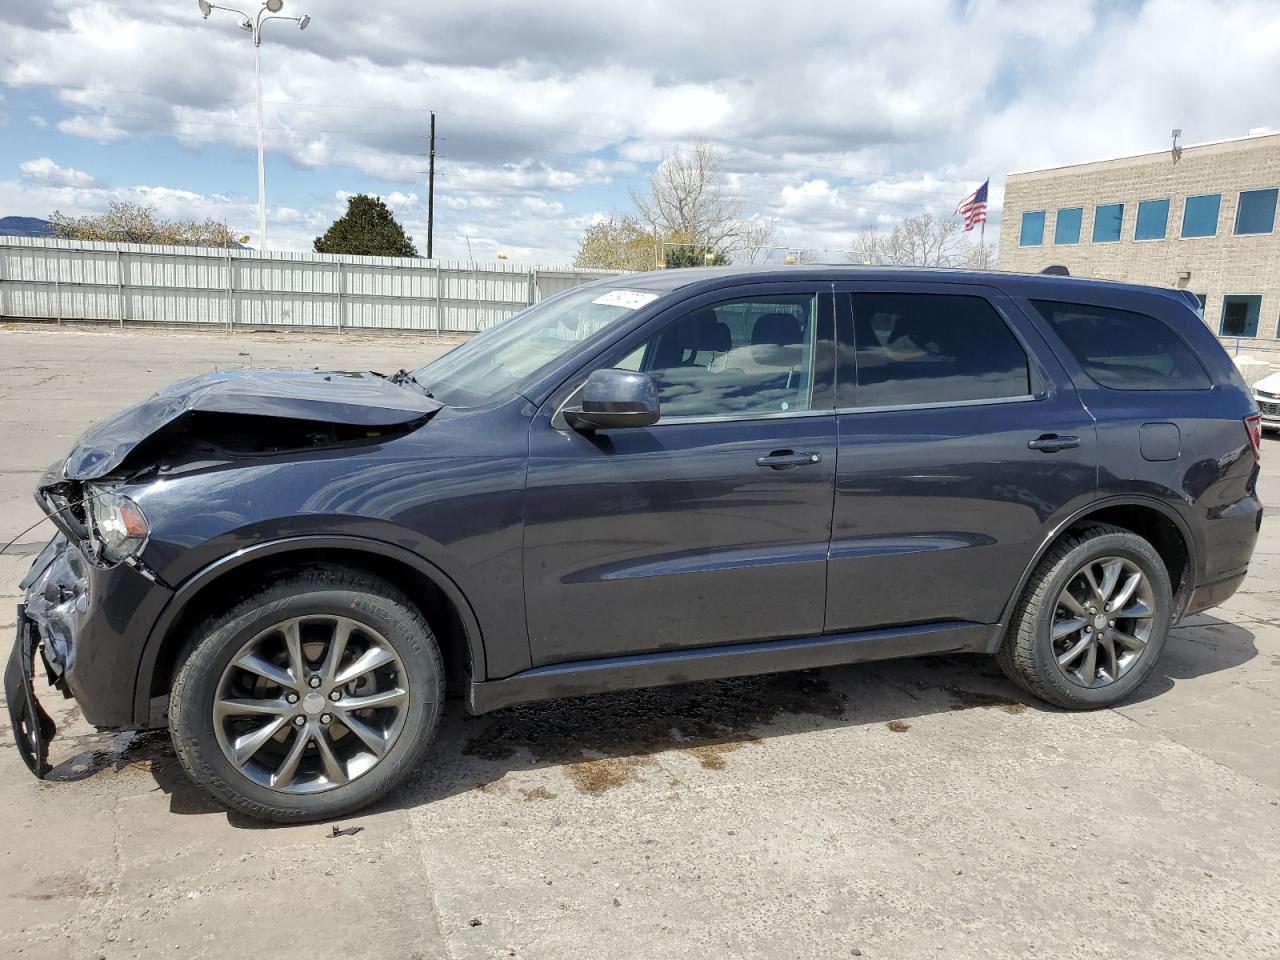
[
  {"x": 85, "y": 627},
  {"x": 32, "y": 727}
]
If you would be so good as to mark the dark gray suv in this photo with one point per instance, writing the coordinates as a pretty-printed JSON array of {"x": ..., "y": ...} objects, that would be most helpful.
[{"x": 652, "y": 479}]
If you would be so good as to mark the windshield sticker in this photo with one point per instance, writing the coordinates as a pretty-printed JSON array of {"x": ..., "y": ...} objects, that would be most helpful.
[{"x": 631, "y": 299}]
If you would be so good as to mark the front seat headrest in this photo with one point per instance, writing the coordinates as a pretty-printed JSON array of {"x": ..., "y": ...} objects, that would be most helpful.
[
  {"x": 714, "y": 335},
  {"x": 776, "y": 341}
]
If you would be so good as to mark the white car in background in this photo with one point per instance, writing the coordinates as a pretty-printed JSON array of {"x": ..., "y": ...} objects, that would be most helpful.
[{"x": 1267, "y": 394}]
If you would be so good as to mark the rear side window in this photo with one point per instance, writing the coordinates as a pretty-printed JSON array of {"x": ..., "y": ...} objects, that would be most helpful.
[
  {"x": 1124, "y": 350},
  {"x": 914, "y": 348}
]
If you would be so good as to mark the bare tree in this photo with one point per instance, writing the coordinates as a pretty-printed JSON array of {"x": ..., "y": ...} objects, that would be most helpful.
[
  {"x": 138, "y": 223},
  {"x": 922, "y": 241},
  {"x": 686, "y": 203},
  {"x": 980, "y": 256},
  {"x": 757, "y": 238}
]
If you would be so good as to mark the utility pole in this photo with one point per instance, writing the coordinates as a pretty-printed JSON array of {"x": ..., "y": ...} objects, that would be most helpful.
[{"x": 431, "y": 185}]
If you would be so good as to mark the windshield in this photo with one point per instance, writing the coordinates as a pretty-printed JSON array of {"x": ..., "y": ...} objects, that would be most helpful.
[{"x": 492, "y": 362}]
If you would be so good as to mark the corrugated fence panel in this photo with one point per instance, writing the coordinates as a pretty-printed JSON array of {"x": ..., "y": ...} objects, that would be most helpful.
[
  {"x": 74, "y": 280},
  {"x": 417, "y": 283},
  {"x": 177, "y": 306},
  {"x": 551, "y": 282},
  {"x": 390, "y": 314},
  {"x": 283, "y": 276},
  {"x": 288, "y": 310},
  {"x": 181, "y": 271}
]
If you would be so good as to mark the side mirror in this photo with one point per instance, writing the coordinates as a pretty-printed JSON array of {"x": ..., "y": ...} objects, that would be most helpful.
[{"x": 615, "y": 398}]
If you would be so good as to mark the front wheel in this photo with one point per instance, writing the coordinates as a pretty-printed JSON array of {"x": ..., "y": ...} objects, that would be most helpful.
[
  {"x": 309, "y": 699},
  {"x": 1092, "y": 620}
]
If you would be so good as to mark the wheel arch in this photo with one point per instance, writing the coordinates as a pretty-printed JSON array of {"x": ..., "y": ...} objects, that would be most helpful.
[
  {"x": 441, "y": 601},
  {"x": 1155, "y": 521}
]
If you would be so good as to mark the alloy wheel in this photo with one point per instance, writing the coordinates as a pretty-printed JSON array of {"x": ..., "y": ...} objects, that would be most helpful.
[
  {"x": 1102, "y": 621},
  {"x": 310, "y": 704}
]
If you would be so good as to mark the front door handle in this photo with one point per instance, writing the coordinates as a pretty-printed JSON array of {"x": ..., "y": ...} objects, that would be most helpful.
[
  {"x": 1052, "y": 443},
  {"x": 786, "y": 459}
]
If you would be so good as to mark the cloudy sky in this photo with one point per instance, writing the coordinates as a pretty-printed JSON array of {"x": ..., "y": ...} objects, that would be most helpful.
[{"x": 832, "y": 116}]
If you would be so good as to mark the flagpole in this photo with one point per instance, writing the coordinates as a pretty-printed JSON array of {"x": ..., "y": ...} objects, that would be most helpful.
[{"x": 982, "y": 231}]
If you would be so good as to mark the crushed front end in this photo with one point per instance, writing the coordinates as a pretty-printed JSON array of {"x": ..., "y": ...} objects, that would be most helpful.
[
  {"x": 86, "y": 607},
  {"x": 57, "y": 594}
]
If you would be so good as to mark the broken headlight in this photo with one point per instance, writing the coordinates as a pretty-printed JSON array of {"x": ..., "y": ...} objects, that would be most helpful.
[{"x": 118, "y": 529}]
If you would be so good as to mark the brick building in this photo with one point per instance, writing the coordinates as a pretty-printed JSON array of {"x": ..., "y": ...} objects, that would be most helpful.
[{"x": 1204, "y": 222}]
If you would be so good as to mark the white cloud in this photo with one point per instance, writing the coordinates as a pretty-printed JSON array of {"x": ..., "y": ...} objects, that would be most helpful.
[
  {"x": 44, "y": 170},
  {"x": 831, "y": 119}
]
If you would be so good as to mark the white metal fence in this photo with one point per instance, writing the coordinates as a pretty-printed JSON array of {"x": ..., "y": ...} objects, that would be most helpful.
[{"x": 130, "y": 282}]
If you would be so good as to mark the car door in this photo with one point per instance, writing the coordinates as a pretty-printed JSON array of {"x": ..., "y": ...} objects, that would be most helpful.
[
  {"x": 710, "y": 526},
  {"x": 961, "y": 440}
]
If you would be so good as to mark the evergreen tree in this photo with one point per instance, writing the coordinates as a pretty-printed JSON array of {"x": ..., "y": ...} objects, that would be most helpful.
[
  {"x": 369, "y": 229},
  {"x": 694, "y": 256}
]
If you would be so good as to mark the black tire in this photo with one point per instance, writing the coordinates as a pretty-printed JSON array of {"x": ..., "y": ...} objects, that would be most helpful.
[
  {"x": 1027, "y": 655},
  {"x": 336, "y": 591}
]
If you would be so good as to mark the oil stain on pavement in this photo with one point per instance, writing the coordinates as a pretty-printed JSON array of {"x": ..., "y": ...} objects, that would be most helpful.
[{"x": 606, "y": 742}]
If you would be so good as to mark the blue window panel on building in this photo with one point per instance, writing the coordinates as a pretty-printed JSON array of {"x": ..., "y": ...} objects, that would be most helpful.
[
  {"x": 1256, "y": 212},
  {"x": 1200, "y": 216},
  {"x": 1153, "y": 220},
  {"x": 1107, "y": 222},
  {"x": 1032, "y": 234},
  {"x": 1067, "y": 228},
  {"x": 1240, "y": 315}
]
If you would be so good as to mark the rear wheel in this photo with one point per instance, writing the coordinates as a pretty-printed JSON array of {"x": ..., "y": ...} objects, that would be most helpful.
[
  {"x": 1092, "y": 620},
  {"x": 309, "y": 699}
]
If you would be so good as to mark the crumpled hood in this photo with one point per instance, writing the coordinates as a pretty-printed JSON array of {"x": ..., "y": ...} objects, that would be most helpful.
[{"x": 354, "y": 399}]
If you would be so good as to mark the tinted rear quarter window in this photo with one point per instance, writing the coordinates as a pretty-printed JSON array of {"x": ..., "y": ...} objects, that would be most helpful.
[
  {"x": 914, "y": 348},
  {"x": 1125, "y": 350}
]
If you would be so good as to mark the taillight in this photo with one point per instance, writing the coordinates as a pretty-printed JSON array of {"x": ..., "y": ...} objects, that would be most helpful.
[{"x": 1253, "y": 426}]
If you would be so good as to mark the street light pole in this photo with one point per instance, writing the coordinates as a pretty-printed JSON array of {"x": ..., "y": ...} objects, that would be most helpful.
[
  {"x": 262, "y": 164},
  {"x": 253, "y": 26}
]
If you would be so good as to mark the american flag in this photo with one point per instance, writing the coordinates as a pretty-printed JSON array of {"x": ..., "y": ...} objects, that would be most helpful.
[{"x": 974, "y": 207}]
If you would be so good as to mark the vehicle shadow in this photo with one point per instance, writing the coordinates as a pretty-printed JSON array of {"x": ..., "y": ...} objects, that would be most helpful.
[{"x": 598, "y": 742}]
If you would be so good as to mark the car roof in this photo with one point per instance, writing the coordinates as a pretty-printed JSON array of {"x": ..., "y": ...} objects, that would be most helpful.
[{"x": 1029, "y": 284}]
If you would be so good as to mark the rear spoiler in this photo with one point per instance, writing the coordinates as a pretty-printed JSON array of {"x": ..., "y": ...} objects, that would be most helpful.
[{"x": 1192, "y": 300}]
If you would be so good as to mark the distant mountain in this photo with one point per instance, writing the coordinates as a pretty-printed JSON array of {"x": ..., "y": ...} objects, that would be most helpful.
[{"x": 25, "y": 227}]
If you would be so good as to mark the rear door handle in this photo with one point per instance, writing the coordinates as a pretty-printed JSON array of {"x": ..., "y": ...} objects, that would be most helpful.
[
  {"x": 1051, "y": 443},
  {"x": 785, "y": 459}
]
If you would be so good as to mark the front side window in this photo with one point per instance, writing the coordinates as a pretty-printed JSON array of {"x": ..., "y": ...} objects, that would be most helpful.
[
  {"x": 1240, "y": 315},
  {"x": 1032, "y": 234},
  {"x": 752, "y": 356},
  {"x": 1200, "y": 216},
  {"x": 1067, "y": 228},
  {"x": 923, "y": 348},
  {"x": 1125, "y": 350},
  {"x": 1256, "y": 212},
  {"x": 1153, "y": 220},
  {"x": 1108, "y": 219}
]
